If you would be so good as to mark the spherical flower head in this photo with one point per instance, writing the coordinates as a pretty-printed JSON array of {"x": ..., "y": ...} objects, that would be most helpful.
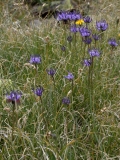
[
  {"x": 71, "y": 15},
  {"x": 74, "y": 28},
  {"x": 79, "y": 22},
  {"x": 85, "y": 32},
  {"x": 63, "y": 48},
  {"x": 87, "y": 62},
  {"x": 66, "y": 101},
  {"x": 62, "y": 16},
  {"x": 101, "y": 25},
  {"x": 87, "y": 19},
  {"x": 35, "y": 59},
  {"x": 51, "y": 72},
  {"x": 87, "y": 40},
  {"x": 69, "y": 76},
  {"x": 112, "y": 42},
  {"x": 77, "y": 16},
  {"x": 38, "y": 91},
  {"x": 96, "y": 37},
  {"x": 94, "y": 53},
  {"x": 69, "y": 38},
  {"x": 13, "y": 97}
]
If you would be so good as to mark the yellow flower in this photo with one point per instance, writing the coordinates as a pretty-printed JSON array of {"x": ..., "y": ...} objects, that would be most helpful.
[{"x": 79, "y": 22}]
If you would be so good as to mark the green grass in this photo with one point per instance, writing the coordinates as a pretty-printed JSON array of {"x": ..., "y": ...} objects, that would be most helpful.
[{"x": 87, "y": 129}]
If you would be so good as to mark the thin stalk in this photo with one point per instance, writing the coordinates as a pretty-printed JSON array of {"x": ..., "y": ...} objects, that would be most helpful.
[
  {"x": 53, "y": 81},
  {"x": 13, "y": 119}
]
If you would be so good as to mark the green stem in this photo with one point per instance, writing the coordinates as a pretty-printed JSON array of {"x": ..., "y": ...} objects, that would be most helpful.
[{"x": 13, "y": 118}]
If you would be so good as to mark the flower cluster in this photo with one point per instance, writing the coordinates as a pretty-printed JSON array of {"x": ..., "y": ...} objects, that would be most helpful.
[
  {"x": 69, "y": 76},
  {"x": 13, "y": 97},
  {"x": 68, "y": 15},
  {"x": 66, "y": 101},
  {"x": 101, "y": 25},
  {"x": 38, "y": 91},
  {"x": 87, "y": 19},
  {"x": 51, "y": 72},
  {"x": 35, "y": 59},
  {"x": 112, "y": 42}
]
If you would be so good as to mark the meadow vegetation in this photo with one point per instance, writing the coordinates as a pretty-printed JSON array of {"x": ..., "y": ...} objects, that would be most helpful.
[{"x": 63, "y": 90}]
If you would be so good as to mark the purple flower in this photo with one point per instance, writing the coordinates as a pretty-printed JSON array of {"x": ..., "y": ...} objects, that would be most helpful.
[
  {"x": 112, "y": 42},
  {"x": 38, "y": 91},
  {"x": 66, "y": 100},
  {"x": 101, "y": 25},
  {"x": 85, "y": 32},
  {"x": 63, "y": 48},
  {"x": 69, "y": 38},
  {"x": 62, "y": 16},
  {"x": 87, "y": 19},
  {"x": 87, "y": 40},
  {"x": 51, "y": 72},
  {"x": 73, "y": 15},
  {"x": 87, "y": 62},
  {"x": 94, "y": 53},
  {"x": 68, "y": 15},
  {"x": 74, "y": 28},
  {"x": 13, "y": 97},
  {"x": 77, "y": 16},
  {"x": 69, "y": 76},
  {"x": 96, "y": 37},
  {"x": 35, "y": 59}
]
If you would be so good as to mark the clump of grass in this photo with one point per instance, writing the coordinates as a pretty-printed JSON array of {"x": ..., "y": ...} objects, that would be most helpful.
[{"x": 74, "y": 116}]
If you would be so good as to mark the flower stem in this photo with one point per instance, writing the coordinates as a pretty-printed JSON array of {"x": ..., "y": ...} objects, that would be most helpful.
[{"x": 13, "y": 119}]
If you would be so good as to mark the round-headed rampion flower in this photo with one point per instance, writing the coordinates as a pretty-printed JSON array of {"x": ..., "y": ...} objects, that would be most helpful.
[
  {"x": 68, "y": 15},
  {"x": 79, "y": 22},
  {"x": 69, "y": 76},
  {"x": 35, "y": 59},
  {"x": 87, "y": 19},
  {"x": 87, "y": 62},
  {"x": 63, "y": 48},
  {"x": 66, "y": 100},
  {"x": 74, "y": 28},
  {"x": 112, "y": 42},
  {"x": 13, "y": 97},
  {"x": 62, "y": 16},
  {"x": 38, "y": 91},
  {"x": 51, "y": 72},
  {"x": 87, "y": 40},
  {"x": 94, "y": 53},
  {"x": 85, "y": 32},
  {"x": 96, "y": 37},
  {"x": 69, "y": 38},
  {"x": 74, "y": 15},
  {"x": 101, "y": 25}
]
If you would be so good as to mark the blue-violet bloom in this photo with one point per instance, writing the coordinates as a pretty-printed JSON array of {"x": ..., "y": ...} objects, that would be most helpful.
[
  {"x": 13, "y": 97},
  {"x": 69, "y": 76},
  {"x": 85, "y": 32},
  {"x": 96, "y": 37},
  {"x": 69, "y": 38},
  {"x": 87, "y": 40},
  {"x": 38, "y": 91},
  {"x": 74, "y": 28},
  {"x": 35, "y": 59},
  {"x": 87, "y": 19},
  {"x": 87, "y": 62},
  {"x": 51, "y": 72},
  {"x": 101, "y": 25},
  {"x": 112, "y": 42},
  {"x": 94, "y": 53},
  {"x": 63, "y": 48},
  {"x": 66, "y": 100}
]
